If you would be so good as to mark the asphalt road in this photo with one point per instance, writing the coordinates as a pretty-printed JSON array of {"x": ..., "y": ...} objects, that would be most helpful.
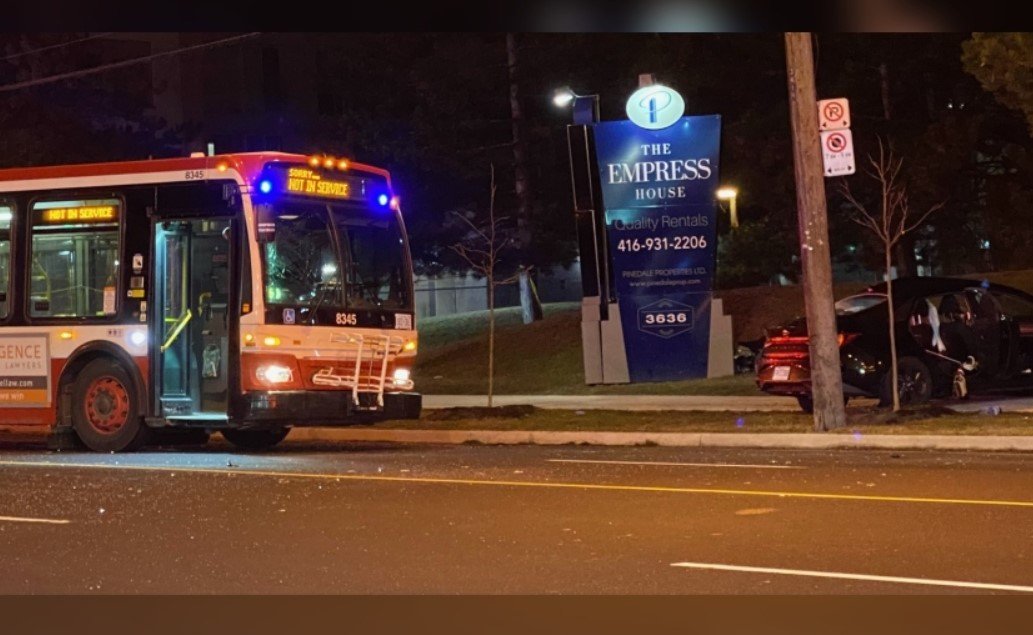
[{"x": 475, "y": 519}]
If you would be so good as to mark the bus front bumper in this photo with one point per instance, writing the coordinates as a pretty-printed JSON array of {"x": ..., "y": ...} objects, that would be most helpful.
[{"x": 327, "y": 407}]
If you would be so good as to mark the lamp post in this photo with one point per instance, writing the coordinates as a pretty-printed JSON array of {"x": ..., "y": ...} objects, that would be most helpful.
[
  {"x": 586, "y": 107},
  {"x": 730, "y": 194},
  {"x": 591, "y": 228}
]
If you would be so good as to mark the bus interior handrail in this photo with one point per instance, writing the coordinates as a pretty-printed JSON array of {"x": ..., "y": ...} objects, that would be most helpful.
[{"x": 181, "y": 323}]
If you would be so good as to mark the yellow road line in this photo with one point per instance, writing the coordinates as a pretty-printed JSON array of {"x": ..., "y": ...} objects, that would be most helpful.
[{"x": 539, "y": 484}]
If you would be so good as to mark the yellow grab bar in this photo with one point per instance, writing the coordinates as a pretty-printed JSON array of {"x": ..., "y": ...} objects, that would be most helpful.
[{"x": 177, "y": 329}]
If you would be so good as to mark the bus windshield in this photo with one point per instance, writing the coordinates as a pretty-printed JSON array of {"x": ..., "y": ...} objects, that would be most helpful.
[{"x": 339, "y": 256}]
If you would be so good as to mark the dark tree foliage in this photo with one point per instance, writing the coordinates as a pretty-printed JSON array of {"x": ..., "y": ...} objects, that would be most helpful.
[
  {"x": 754, "y": 254},
  {"x": 1003, "y": 64},
  {"x": 434, "y": 108},
  {"x": 959, "y": 144},
  {"x": 102, "y": 117}
]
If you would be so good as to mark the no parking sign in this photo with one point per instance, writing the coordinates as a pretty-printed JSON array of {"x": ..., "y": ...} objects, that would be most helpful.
[
  {"x": 837, "y": 151},
  {"x": 837, "y": 144}
]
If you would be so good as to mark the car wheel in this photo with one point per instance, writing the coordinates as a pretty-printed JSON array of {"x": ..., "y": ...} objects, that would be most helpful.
[
  {"x": 106, "y": 410},
  {"x": 914, "y": 381},
  {"x": 807, "y": 402},
  {"x": 260, "y": 439}
]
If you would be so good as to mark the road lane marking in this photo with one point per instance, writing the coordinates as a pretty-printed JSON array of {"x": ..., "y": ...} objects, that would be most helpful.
[
  {"x": 539, "y": 484},
  {"x": 756, "y": 511},
  {"x": 856, "y": 576},
  {"x": 45, "y": 521},
  {"x": 742, "y": 465}
]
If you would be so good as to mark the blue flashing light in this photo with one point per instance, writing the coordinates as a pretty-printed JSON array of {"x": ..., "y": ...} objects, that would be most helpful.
[
  {"x": 383, "y": 199},
  {"x": 265, "y": 186}
]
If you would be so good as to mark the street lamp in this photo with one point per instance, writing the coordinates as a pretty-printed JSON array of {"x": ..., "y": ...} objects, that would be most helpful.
[
  {"x": 586, "y": 107},
  {"x": 729, "y": 194}
]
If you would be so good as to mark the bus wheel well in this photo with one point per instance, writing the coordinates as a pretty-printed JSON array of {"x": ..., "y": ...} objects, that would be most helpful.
[{"x": 79, "y": 361}]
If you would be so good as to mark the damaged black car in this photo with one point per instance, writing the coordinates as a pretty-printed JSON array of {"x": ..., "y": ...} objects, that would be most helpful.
[{"x": 953, "y": 335}]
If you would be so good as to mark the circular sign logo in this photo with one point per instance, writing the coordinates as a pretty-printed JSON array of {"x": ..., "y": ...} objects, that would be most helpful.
[
  {"x": 833, "y": 111},
  {"x": 836, "y": 142},
  {"x": 655, "y": 107}
]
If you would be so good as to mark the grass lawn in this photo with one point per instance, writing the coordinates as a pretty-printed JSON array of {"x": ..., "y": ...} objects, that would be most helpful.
[
  {"x": 545, "y": 357},
  {"x": 863, "y": 420}
]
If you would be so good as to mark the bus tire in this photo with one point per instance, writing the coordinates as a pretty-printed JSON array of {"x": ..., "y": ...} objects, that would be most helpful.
[
  {"x": 255, "y": 439},
  {"x": 106, "y": 409}
]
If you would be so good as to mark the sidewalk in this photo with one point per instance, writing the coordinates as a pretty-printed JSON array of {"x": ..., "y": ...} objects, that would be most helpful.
[
  {"x": 705, "y": 403},
  {"x": 438, "y": 432},
  {"x": 759, "y": 403},
  {"x": 811, "y": 441}
]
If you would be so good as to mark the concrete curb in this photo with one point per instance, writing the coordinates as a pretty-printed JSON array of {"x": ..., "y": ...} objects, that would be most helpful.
[{"x": 675, "y": 439}]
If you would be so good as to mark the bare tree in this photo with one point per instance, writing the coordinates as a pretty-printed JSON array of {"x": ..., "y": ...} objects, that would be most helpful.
[
  {"x": 482, "y": 249},
  {"x": 889, "y": 222}
]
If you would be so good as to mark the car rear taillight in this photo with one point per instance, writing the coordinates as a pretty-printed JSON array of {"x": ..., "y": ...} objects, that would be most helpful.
[
  {"x": 846, "y": 338},
  {"x": 788, "y": 339}
]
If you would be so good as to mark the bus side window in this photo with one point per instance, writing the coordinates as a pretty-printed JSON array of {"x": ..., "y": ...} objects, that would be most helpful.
[
  {"x": 74, "y": 259},
  {"x": 6, "y": 217}
]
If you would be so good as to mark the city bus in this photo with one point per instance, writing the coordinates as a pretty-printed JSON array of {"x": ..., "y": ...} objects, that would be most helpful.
[{"x": 240, "y": 293}]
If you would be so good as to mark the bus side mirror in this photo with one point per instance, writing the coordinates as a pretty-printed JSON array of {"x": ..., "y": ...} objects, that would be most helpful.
[{"x": 265, "y": 224}]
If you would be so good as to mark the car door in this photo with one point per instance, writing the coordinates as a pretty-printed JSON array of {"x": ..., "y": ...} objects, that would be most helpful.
[
  {"x": 991, "y": 333},
  {"x": 1017, "y": 322}
]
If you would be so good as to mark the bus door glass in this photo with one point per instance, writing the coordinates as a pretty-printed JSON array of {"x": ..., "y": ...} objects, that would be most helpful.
[{"x": 192, "y": 288}]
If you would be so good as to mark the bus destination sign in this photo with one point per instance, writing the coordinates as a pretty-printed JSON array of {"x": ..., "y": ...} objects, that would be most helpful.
[
  {"x": 85, "y": 214},
  {"x": 306, "y": 181},
  {"x": 298, "y": 180}
]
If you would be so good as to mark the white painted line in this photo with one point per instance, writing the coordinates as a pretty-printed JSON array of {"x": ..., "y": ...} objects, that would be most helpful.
[
  {"x": 45, "y": 521},
  {"x": 857, "y": 576},
  {"x": 742, "y": 465}
]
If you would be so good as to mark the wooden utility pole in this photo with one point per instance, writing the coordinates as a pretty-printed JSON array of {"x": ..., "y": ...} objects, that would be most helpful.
[
  {"x": 530, "y": 305},
  {"x": 826, "y": 377}
]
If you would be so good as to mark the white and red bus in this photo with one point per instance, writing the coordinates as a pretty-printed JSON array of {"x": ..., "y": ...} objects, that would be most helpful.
[{"x": 245, "y": 293}]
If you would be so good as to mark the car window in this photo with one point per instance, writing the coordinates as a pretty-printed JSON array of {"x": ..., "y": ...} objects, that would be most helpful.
[
  {"x": 953, "y": 307},
  {"x": 924, "y": 310},
  {"x": 984, "y": 306},
  {"x": 858, "y": 303},
  {"x": 1013, "y": 305}
]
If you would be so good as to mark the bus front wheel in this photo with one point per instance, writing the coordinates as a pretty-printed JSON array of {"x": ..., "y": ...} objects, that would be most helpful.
[
  {"x": 106, "y": 409},
  {"x": 259, "y": 439}
]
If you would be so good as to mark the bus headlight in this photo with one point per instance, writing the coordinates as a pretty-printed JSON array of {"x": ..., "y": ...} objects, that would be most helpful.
[
  {"x": 401, "y": 376},
  {"x": 274, "y": 374},
  {"x": 270, "y": 371}
]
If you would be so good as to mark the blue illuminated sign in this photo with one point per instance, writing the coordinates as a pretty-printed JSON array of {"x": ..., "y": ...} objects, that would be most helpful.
[{"x": 659, "y": 190}]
